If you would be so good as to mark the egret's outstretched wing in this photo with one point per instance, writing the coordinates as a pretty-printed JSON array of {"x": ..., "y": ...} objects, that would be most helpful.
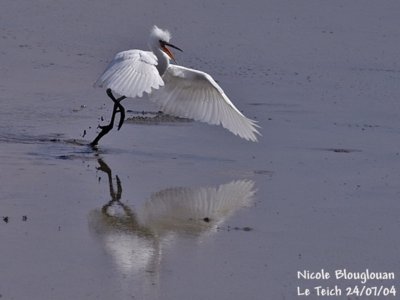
[
  {"x": 194, "y": 94},
  {"x": 131, "y": 73},
  {"x": 196, "y": 209}
]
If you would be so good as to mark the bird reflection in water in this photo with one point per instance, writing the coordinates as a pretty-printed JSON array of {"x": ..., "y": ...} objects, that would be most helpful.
[{"x": 134, "y": 239}]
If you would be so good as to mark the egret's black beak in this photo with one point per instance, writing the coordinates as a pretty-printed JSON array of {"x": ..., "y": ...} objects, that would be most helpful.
[
  {"x": 172, "y": 46},
  {"x": 167, "y": 51}
]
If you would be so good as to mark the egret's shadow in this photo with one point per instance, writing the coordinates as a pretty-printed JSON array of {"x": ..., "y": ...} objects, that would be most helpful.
[{"x": 135, "y": 238}]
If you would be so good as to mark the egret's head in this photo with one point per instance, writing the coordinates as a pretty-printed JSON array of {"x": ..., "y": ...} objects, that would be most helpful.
[
  {"x": 159, "y": 39},
  {"x": 160, "y": 34}
]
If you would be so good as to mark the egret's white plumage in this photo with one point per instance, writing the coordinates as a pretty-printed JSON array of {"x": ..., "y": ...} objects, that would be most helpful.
[
  {"x": 179, "y": 91},
  {"x": 159, "y": 34},
  {"x": 131, "y": 73}
]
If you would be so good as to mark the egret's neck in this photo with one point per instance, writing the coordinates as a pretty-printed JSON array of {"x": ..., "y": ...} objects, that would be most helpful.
[{"x": 163, "y": 61}]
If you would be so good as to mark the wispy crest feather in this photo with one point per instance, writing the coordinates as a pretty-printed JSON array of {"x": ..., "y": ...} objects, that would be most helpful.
[{"x": 160, "y": 34}]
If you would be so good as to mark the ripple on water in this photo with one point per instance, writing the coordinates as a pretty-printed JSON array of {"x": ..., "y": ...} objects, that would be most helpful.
[{"x": 43, "y": 147}]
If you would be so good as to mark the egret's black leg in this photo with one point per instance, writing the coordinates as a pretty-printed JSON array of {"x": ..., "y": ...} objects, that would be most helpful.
[
  {"x": 120, "y": 108},
  {"x": 121, "y": 116},
  {"x": 107, "y": 128}
]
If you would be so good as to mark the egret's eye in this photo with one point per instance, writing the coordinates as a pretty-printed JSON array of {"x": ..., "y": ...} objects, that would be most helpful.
[{"x": 162, "y": 43}]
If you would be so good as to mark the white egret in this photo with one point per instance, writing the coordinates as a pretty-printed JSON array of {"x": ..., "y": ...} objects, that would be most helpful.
[{"x": 179, "y": 91}]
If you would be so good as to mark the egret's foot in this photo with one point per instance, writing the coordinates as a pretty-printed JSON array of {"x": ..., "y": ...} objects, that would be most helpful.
[{"x": 118, "y": 108}]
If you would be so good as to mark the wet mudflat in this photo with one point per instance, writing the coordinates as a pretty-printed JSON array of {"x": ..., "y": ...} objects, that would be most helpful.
[{"x": 172, "y": 209}]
